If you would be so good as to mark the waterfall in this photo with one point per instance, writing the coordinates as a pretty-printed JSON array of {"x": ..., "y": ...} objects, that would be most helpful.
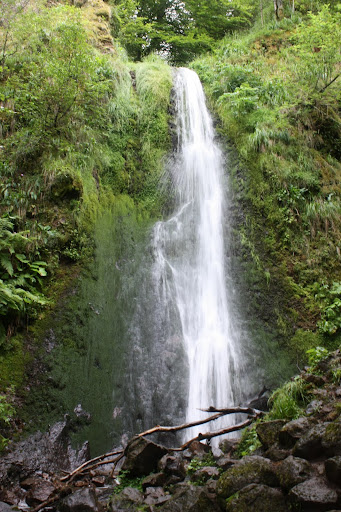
[{"x": 189, "y": 269}]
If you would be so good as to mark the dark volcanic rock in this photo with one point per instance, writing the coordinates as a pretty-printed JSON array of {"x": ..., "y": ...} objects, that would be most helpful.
[
  {"x": 333, "y": 469},
  {"x": 142, "y": 456},
  {"x": 250, "y": 470},
  {"x": 257, "y": 498},
  {"x": 313, "y": 493},
  {"x": 293, "y": 471},
  {"x": 83, "y": 500}
]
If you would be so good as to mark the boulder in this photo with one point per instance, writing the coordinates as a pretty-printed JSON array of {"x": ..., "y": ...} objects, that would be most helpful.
[
  {"x": 127, "y": 501},
  {"x": 40, "y": 491},
  {"x": 256, "y": 498},
  {"x": 204, "y": 474},
  {"x": 310, "y": 445},
  {"x": 250, "y": 470},
  {"x": 4, "y": 507},
  {"x": 155, "y": 496},
  {"x": 142, "y": 456},
  {"x": 292, "y": 431},
  {"x": 333, "y": 469},
  {"x": 293, "y": 471},
  {"x": 83, "y": 500},
  {"x": 172, "y": 465},
  {"x": 331, "y": 439},
  {"x": 190, "y": 498},
  {"x": 225, "y": 462},
  {"x": 313, "y": 493},
  {"x": 268, "y": 432},
  {"x": 154, "y": 480}
]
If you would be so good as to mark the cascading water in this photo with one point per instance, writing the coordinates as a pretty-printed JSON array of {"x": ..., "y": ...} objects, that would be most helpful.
[{"x": 189, "y": 256}]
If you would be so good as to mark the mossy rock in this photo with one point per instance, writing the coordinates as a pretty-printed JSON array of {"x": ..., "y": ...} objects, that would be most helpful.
[
  {"x": 293, "y": 471},
  {"x": 268, "y": 432},
  {"x": 250, "y": 470},
  {"x": 331, "y": 440},
  {"x": 256, "y": 498}
]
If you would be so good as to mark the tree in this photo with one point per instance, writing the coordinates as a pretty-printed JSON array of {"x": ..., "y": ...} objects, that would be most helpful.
[{"x": 180, "y": 29}]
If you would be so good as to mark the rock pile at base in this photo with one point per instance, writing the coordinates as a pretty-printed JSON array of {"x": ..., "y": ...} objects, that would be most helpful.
[{"x": 297, "y": 467}]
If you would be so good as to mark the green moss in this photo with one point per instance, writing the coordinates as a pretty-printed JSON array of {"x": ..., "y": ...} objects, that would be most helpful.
[{"x": 13, "y": 363}]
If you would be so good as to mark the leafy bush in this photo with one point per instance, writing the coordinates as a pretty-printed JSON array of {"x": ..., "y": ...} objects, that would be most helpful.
[{"x": 287, "y": 402}]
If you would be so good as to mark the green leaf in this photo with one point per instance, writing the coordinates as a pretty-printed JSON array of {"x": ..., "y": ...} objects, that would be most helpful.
[{"x": 6, "y": 264}]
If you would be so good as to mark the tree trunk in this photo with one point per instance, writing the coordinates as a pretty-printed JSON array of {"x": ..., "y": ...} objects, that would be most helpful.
[{"x": 279, "y": 11}]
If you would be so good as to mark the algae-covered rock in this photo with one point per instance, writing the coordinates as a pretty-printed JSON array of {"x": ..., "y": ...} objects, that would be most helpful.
[
  {"x": 293, "y": 471},
  {"x": 250, "y": 470},
  {"x": 268, "y": 432},
  {"x": 256, "y": 498}
]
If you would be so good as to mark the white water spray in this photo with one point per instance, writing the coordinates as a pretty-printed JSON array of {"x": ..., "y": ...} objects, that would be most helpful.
[{"x": 189, "y": 256}]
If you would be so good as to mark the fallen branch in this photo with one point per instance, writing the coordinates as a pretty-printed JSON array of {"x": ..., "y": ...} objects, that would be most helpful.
[
  {"x": 210, "y": 435},
  {"x": 91, "y": 461},
  {"x": 219, "y": 413}
]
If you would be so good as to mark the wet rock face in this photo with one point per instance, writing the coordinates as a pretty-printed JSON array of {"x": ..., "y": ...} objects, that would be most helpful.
[{"x": 50, "y": 452}]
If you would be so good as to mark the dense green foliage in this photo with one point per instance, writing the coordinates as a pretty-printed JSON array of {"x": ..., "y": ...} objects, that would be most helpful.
[
  {"x": 277, "y": 94},
  {"x": 70, "y": 120},
  {"x": 178, "y": 29}
]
